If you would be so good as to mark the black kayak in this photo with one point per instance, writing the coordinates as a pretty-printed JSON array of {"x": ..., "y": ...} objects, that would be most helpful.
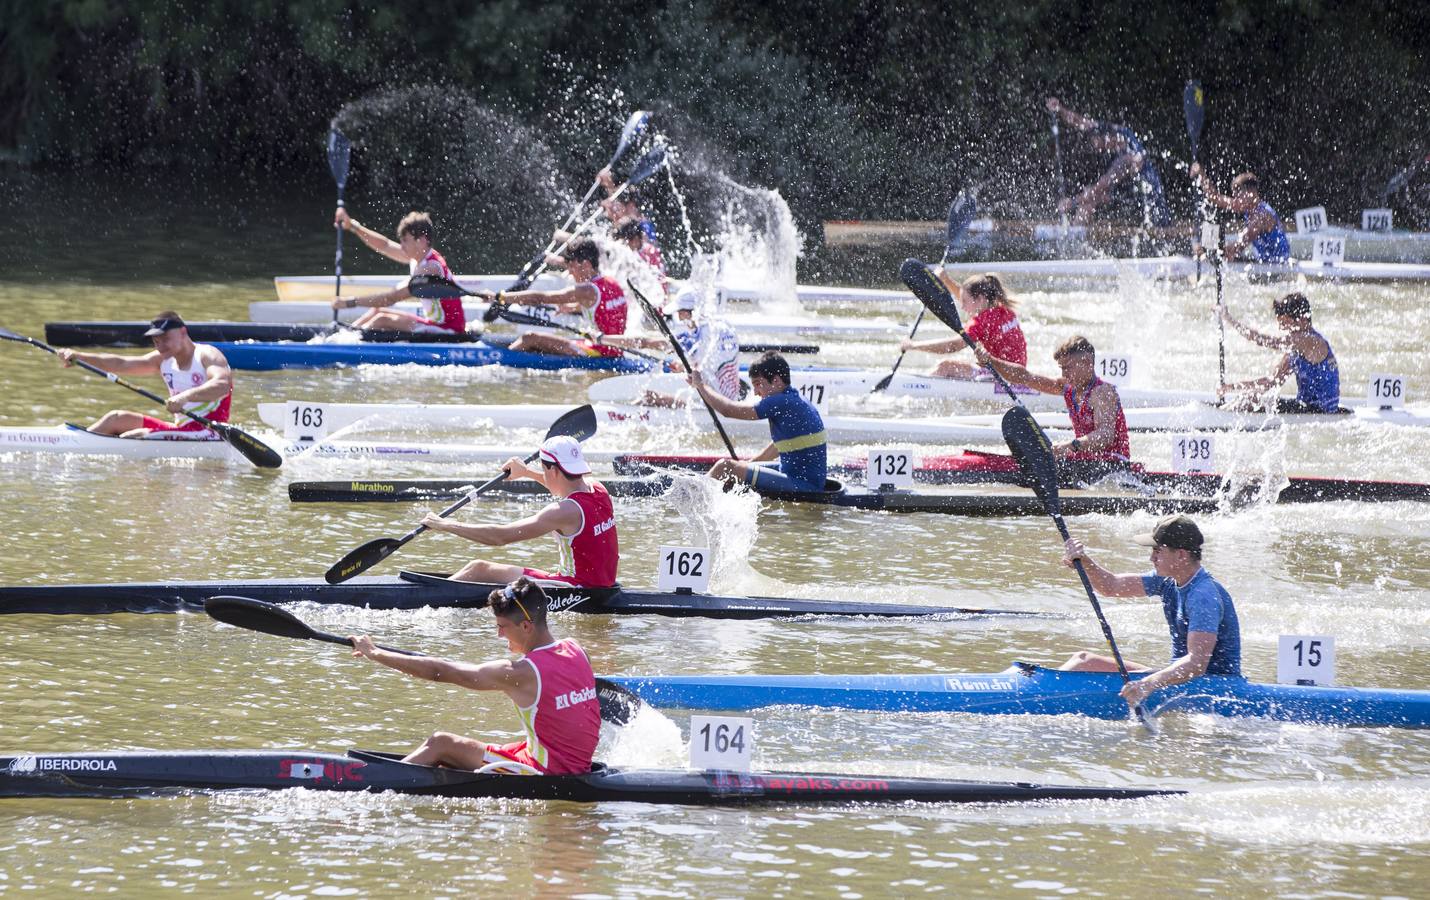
[
  {"x": 416, "y": 590},
  {"x": 143, "y": 773}
]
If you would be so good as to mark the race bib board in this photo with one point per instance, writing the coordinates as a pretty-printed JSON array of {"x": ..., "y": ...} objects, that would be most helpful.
[
  {"x": 1211, "y": 237},
  {"x": 683, "y": 570},
  {"x": 1306, "y": 659},
  {"x": 1386, "y": 391},
  {"x": 1328, "y": 250},
  {"x": 1115, "y": 370},
  {"x": 815, "y": 390},
  {"x": 721, "y": 743},
  {"x": 1376, "y": 219},
  {"x": 1193, "y": 453},
  {"x": 304, "y": 421},
  {"x": 891, "y": 469},
  {"x": 1311, "y": 219}
]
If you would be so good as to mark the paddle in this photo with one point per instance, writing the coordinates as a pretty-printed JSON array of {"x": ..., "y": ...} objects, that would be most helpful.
[
  {"x": 634, "y": 126},
  {"x": 579, "y": 423},
  {"x": 960, "y": 214},
  {"x": 339, "y": 152},
  {"x": 937, "y": 300},
  {"x": 645, "y": 167},
  {"x": 1195, "y": 113},
  {"x": 651, "y": 311},
  {"x": 253, "y": 450},
  {"x": 436, "y": 286},
  {"x": 618, "y": 705},
  {"x": 1058, "y": 163}
]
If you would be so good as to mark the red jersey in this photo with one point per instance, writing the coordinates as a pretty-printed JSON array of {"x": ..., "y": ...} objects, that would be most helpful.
[
  {"x": 589, "y": 558},
  {"x": 564, "y": 724},
  {"x": 997, "y": 329},
  {"x": 608, "y": 316},
  {"x": 446, "y": 313},
  {"x": 1083, "y": 423}
]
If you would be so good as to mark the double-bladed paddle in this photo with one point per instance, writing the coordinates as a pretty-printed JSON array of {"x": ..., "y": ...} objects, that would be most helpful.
[
  {"x": 652, "y": 312},
  {"x": 618, "y": 705},
  {"x": 339, "y": 154},
  {"x": 960, "y": 215},
  {"x": 1025, "y": 438},
  {"x": 253, "y": 450},
  {"x": 579, "y": 423}
]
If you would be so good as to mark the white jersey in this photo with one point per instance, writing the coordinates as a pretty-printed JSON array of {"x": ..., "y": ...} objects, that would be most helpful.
[
  {"x": 180, "y": 380},
  {"x": 714, "y": 349}
]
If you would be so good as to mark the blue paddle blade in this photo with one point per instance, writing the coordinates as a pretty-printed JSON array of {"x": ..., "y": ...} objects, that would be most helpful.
[
  {"x": 647, "y": 165},
  {"x": 634, "y": 126},
  {"x": 931, "y": 293},
  {"x": 961, "y": 214},
  {"x": 1034, "y": 452},
  {"x": 1193, "y": 107},
  {"x": 339, "y": 153}
]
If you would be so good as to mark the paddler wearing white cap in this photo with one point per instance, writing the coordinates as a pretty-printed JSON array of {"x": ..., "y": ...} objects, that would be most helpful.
[
  {"x": 708, "y": 341},
  {"x": 582, "y": 519}
]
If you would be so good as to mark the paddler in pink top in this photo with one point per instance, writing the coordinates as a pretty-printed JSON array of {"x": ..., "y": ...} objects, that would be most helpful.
[
  {"x": 582, "y": 520},
  {"x": 599, "y": 300},
  {"x": 550, "y": 682},
  {"x": 1100, "y": 442},
  {"x": 992, "y": 323},
  {"x": 414, "y": 248}
]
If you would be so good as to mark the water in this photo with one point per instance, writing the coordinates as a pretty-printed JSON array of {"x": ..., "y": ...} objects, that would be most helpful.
[{"x": 1274, "y": 809}]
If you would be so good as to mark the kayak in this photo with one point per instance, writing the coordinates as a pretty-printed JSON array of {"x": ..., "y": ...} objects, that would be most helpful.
[
  {"x": 977, "y": 467},
  {"x": 268, "y": 356},
  {"x": 419, "y": 590},
  {"x": 290, "y": 416},
  {"x": 1025, "y": 689},
  {"x": 1208, "y": 417},
  {"x": 74, "y": 439},
  {"x": 1185, "y": 267},
  {"x": 143, "y": 773}
]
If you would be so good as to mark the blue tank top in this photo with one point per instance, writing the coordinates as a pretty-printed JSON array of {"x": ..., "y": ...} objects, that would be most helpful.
[
  {"x": 1318, "y": 384},
  {"x": 1273, "y": 246},
  {"x": 1154, "y": 200}
]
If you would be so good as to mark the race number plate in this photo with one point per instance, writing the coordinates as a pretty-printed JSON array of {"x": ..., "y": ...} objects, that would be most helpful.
[
  {"x": 721, "y": 743},
  {"x": 1311, "y": 219},
  {"x": 1115, "y": 369},
  {"x": 1211, "y": 237},
  {"x": 1193, "y": 453},
  {"x": 1376, "y": 219},
  {"x": 684, "y": 570},
  {"x": 303, "y": 421},
  {"x": 1328, "y": 250},
  {"x": 1306, "y": 659},
  {"x": 815, "y": 390},
  {"x": 890, "y": 469},
  {"x": 1386, "y": 391}
]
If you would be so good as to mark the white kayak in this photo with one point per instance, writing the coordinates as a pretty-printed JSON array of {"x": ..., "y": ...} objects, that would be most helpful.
[
  {"x": 1184, "y": 267},
  {"x": 821, "y": 385},
  {"x": 298, "y": 419},
  {"x": 1205, "y": 417},
  {"x": 72, "y": 439}
]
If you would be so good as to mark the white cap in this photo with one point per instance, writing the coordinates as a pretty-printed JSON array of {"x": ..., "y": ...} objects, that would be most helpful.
[
  {"x": 566, "y": 453},
  {"x": 687, "y": 297}
]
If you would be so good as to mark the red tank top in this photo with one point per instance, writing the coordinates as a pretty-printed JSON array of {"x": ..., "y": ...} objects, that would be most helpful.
[
  {"x": 997, "y": 329},
  {"x": 591, "y": 556},
  {"x": 1083, "y": 422},
  {"x": 564, "y": 724},
  {"x": 447, "y": 312}
]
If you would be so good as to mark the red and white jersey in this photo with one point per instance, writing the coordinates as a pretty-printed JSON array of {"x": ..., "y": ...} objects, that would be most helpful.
[
  {"x": 1084, "y": 422},
  {"x": 564, "y": 724},
  {"x": 608, "y": 316},
  {"x": 590, "y": 556},
  {"x": 446, "y": 312},
  {"x": 997, "y": 329},
  {"x": 180, "y": 380}
]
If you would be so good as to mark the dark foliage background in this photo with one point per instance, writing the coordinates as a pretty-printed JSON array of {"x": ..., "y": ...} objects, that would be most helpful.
[{"x": 858, "y": 109}]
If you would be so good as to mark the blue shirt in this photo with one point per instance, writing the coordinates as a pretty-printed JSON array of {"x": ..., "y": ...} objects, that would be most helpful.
[
  {"x": 1318, "y": 384},
  {"x": 1203, "y": 605},
  {"x": 798, "y": 433},
  {"x": 1272, "y": 246},
  {"x": 1153, "y": 199}
]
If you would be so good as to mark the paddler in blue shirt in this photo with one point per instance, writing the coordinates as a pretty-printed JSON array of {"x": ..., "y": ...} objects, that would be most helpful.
[
  {"x": 1206, "y": 638},
  {"x": 1264, "y": 237},
  {"x": 1308, "y": 356},
  {"x": 1131, "y": 164},
  {"x": 796, "y": 431}
]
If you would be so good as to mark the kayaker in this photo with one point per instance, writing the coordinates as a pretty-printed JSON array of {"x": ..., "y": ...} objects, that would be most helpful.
[
  {"x": 582, "y": 520},
  {"x": 796, "y": 430},
  {"x": 1308, "y": 357},
  {"x": 550, "y": 681},
  {"x": 413, "y": 247},
  {"x": 992, "y": 323},
  {"x": 709, "y": 343},
  {"x": 198, "y": 376},
  {"x": 1206, "y": 637},
  {"x": 1131, "y": 165},
  {"x": 1264, "y": 237},
  {"x": 1100, "y": 443},
  {"x": 599, "y": 299},
  {"x": 625, "y": 206}
]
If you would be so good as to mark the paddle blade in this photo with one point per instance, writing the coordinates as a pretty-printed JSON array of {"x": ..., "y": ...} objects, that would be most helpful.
[
  {"x": 931, "y": 293},
  {"x": 255, "y": 615},
  {"x": 961, "y": 213},
  {"x": 634, "y": 126},
  {"x": 1195, "y": 112},
  {"x": 1034, "y": 452},
  {"x": 579, "y": 423},
  {"x": 618, "y": 704},
  {"x": 647, "y": 165},
  {"x": 253, "y": 450},
  {"x": 434, "y": 287},
  {"x": 339, "y": 153},
  {"x": 360, "y": 560}
]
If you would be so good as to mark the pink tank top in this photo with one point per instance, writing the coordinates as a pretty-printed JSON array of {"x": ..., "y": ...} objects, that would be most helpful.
[
  {"x": 564, "y": 724},
  {"x": 447, "y": 312},
  {"x": 590, "y": 557}
]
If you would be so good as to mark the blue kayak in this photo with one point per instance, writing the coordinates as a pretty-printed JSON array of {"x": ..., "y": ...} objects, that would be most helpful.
[
  {"x": 1025, "y": 689},
  {"x": 271, "y": 355}
]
